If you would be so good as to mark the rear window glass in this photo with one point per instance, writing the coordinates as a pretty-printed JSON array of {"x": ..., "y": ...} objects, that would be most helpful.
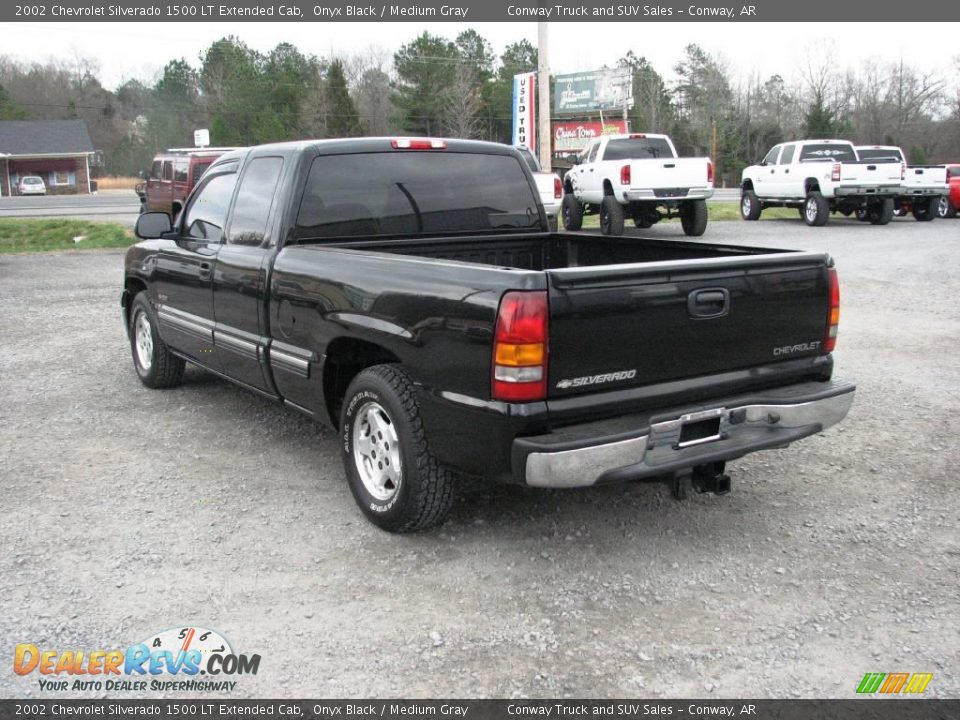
[
  {"x": 529, "y": 159},
  {"x": 414, "y": 193},
  {"x": 828, "y": 151},
  {"x": 953, "y": 172},
  {"x": 32, "y": 181},
  {"x": 637, "y": 149},
  {"x": 880, "y": 154}
]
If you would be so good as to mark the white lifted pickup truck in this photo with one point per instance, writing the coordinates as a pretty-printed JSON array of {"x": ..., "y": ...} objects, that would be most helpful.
[
  {"x": 640, "y": 176},
  {"x": 820, "y": 177},
  {"x": 922, "y": 185}
]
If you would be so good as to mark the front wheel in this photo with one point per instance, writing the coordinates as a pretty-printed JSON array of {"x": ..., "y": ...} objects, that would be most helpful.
[
  {"x": 750, "y": 207},
  {"x": 156, "y": 366},
  {"x": 816, "y": 209},
  {"x": 611, "y": 216},
  {"x": 572, "y": 212},
  {"x": 880, "y": 212},
  {"x": 925, "y": 210},
  {"x": 945, "y": 208},
  {"x": 693, "y": 217},
  {"x": 395, "y": 479}
]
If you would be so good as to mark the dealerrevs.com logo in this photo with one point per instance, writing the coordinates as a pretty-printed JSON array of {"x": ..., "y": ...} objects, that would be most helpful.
[{"x": 192, "y": 659}]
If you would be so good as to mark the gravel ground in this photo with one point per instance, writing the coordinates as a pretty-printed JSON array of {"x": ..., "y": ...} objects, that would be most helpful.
[{"x": 127, "y": 511}]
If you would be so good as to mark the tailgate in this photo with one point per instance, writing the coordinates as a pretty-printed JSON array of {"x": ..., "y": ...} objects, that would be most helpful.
[
  {"x": 668, "y": 173},
  {"x": 933, "y": 176},
  {"x": 869, "y": 173},
  {"x": 624, "y": 326}
]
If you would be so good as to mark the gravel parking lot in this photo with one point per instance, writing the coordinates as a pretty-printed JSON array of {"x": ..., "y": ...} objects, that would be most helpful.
[{"x": 128, "y": 511}]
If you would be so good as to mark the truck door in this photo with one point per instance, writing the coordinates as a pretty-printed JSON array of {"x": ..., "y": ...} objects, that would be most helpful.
[
  {"x": 184, "y": 269},
  {"x": 767, "y": 177},
  {"x": 240, "y": 273},
  {"x": 788, "y": 184}
]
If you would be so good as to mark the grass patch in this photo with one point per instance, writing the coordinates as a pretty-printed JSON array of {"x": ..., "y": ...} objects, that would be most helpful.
[
  {"x": 717, "y": 212},
  {"x": 18, "y": 235}
]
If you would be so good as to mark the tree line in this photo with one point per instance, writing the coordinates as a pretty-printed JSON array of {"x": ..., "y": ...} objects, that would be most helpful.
[{"x": 460, "y": 87}]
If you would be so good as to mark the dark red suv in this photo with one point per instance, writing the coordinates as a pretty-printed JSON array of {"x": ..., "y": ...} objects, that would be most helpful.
[{"x": 173, "y": 175}]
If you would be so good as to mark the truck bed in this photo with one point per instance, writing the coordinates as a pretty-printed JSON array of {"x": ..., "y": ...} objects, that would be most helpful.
[{"x": 556, "y": 251}]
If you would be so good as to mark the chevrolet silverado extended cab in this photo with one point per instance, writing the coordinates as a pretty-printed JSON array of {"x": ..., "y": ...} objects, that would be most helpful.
[
  {"x": 408, "y": 293},
  {"x": 820, "y": 177},
  {"x": 641, "y": 176},
  {"x": 921, "y": 188}
]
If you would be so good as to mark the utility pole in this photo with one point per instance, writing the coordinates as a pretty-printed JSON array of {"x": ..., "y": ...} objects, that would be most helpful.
[{"x": 543, "y": 112}]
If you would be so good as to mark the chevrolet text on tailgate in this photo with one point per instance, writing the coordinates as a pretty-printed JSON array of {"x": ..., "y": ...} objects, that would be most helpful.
[{"x": 407, "y": 292}]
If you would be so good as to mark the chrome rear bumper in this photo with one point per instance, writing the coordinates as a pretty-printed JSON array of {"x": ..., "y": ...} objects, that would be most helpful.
[{"x": 659, "y": 448}]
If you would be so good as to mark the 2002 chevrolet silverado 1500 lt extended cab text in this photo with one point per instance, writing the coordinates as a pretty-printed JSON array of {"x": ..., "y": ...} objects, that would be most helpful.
[{"x": 407, "y": 292}]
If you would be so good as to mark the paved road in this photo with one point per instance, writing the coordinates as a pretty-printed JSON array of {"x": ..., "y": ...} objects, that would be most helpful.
[
  {"x": 127, "y": 511},
  {"x": 112, "y": 206}
]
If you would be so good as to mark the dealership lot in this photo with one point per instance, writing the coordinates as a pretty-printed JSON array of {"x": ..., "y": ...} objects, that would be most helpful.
[{"x": 130, "y": 511}]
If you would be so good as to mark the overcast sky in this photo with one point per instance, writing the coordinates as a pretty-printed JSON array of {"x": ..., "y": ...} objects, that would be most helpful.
[{"x": 139, "y": 50}]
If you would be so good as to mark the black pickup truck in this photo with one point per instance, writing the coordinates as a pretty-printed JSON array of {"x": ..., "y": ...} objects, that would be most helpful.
[{"x": 408, "y": 293}]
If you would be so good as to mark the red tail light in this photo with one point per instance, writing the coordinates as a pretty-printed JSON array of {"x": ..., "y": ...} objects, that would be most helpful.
[
  {"x": 418, "y": 144},
  {"x": 833, "y": 318},
  {"x": 709, "y": 171},
  {"x": 835, "y": 173},
  {"x": 903, "y": 171},
  {"x": 520, "y": 347},
  {"x": 625, "y": 175},
  {"x": 557, "y": 189}
]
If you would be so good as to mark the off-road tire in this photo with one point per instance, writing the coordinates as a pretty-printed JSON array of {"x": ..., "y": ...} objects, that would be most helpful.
[
  {"x": 572, "y": 212},
  {"x": 880, "y": 213},
  {"x": 425, "y": 491},
  {"x": 611, "y": 216},
  {"x": 693, "y": 217},
  {"x": 816, "y": 209},
  {"x": 926, "y": 209},
  {"x": 165, "y": 369},
  {"x": 750, "y": 207}
]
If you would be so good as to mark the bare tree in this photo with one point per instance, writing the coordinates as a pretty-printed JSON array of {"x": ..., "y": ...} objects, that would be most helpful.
[{"x": 461, "y": 103}]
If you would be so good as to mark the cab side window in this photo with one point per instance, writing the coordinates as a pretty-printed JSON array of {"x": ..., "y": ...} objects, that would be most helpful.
[
  {"x": 787, "y": 157},
  {"x": 771, "y": 158},
  {"x": 155, "y": 170},
  {"x": 593, "y": 152},
  {"x": 254, "y": 199},
  {"x": 180, "y": 168},
  {"x": 207, "y": 213}
]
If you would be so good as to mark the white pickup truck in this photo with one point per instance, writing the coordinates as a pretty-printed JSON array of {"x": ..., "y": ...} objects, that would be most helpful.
[
  {"x": 922, "y": 185},
  {"x": 641, "y": 176},
  {"x": 820, "y": 177},
  {"x": 549, "y": 186}
]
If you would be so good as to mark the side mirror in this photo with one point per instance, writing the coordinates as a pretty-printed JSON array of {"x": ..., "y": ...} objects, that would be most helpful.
[{"x": 152, "y": 225}]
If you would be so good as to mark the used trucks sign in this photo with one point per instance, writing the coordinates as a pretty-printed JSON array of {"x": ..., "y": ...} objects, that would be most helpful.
[{"x": 524, "y": 121}]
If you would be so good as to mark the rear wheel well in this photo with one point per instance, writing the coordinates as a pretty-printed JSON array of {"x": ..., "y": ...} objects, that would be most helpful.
[
  {"x": 567, "y": 186},
  {"x": 810, "y": 185},
  {"x": 607, "y": 188},
  {"x": 345, "y": 359}
]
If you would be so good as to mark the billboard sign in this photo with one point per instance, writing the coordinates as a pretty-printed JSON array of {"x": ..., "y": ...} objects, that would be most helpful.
[
  {"x": 610, "y": 89},
  {"x": 574, "y": 136},
  {"x": 524, "y": 120}
]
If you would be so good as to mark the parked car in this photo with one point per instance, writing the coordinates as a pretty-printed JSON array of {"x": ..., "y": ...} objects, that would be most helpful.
[
  {"x": 407, "y": 292},
  {"x": 548, "y": 185},
  {"x": 950, "y": 203},
  {"x": 172, "y": 176},
  {"x": 31, "y": 185},
  {"x": 921, "y": 188},
  {"x": 640, "y": 176},
  {"x": 820, "y": 177}
]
